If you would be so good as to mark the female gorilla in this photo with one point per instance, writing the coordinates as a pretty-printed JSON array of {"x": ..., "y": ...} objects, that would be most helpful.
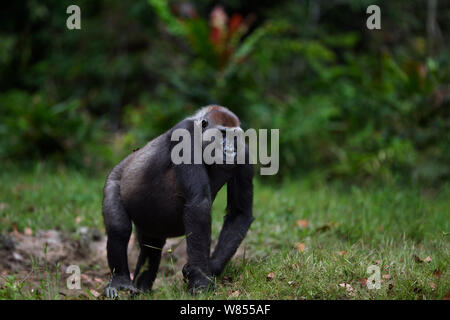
[{"x": 166, "y": 200}]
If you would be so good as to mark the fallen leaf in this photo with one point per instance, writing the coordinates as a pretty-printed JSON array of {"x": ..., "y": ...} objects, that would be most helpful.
[
  {"x": 347, "y": 287},
  {"x": 418, "y": 260},
  {"x": 86, "y": 278},
  {"x": 433, "y": 285},
  {"x": 96, "y": 294},
  {"x": 342, "y": 253},
  {"x": 78, "y": 219},
  {"x": 235, "y": 294},
  {"x": 386, "y": 276},
  {"x": 290, "y": 283},
  {"x": 363, "y": 282},
  {"x": 378, "y": 262},
  {"x": 270, "y": 276},
  {"x": 28, "y": 232},
  {"x": 300, "y": 246},
  {"x": 302, "y": 223}
]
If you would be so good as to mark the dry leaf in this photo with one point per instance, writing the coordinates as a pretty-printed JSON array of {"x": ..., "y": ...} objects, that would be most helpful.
[
  {"x": 342, "y": 253},
  {"x": 78, "y": 219},
  {"x": 270, "y": 276},
  {"x": 235, "y": 294},
  {"x": 347, "y": 287},
  {"x": 378, "y": 262},
  {"x": 98, "y": 280},
  {"x": 302, "y": 223},
  {"x": 418, "y": 260},
  {"x": 386, "y": 276},
  {"x": 363, "y": 282},
  {"x": 28, "y": 232},
  {"x": 96, "y": 294},
  {"x": 433, "y": 285},
  {"x": 300, "y": 246}
]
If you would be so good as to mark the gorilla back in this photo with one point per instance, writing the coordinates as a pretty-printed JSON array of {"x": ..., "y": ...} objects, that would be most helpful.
[{"x": 165, "y": 200}]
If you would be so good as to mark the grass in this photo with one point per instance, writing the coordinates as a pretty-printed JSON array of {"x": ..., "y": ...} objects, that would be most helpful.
[{"x": 346, "y": 229}]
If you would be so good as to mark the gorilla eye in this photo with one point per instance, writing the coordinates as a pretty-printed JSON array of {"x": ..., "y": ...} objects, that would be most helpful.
[{"x": 204, "y": 123}]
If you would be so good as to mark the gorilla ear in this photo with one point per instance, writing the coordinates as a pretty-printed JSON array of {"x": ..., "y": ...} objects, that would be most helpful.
[{"x": 204, "y": 123}]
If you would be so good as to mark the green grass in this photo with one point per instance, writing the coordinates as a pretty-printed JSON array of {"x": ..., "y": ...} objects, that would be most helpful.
[{"x": 385, "y": 226}]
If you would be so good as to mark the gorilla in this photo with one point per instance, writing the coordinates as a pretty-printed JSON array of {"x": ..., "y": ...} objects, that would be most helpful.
[{"x": 163, "y": 199}]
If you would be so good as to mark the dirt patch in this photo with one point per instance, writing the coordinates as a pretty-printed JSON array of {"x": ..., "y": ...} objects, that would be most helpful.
[
  {"x": 43, "y": 257},
  {"x": 34, "y": 257}
]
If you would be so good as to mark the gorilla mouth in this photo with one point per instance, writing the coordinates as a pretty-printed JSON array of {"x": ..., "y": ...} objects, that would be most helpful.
[{"x": 229, "y": 150}]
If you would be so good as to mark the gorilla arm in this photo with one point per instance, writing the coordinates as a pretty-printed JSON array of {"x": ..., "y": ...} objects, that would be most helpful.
[{"x": 237, "y": 220}]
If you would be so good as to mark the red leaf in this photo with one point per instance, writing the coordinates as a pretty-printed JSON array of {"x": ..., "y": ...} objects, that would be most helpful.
[{"x": 235, "y": 22}]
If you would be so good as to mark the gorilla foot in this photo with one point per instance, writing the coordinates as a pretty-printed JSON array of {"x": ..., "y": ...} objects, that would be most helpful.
[
  {"x": 198, "y": 281},
  {"x": 119, "y": 283},
  {"x": 200, "y": 286}
]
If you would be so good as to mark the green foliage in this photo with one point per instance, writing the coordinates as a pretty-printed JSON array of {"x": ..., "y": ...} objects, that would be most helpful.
[
  {"x": 350, "y": 103},
  {"x": 33, "y": 127}
]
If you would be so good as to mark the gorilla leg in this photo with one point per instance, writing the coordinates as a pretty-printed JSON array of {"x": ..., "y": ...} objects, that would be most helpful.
[
  {"x": 118, "y": 228},
  {"x": 148, "y": 262}
]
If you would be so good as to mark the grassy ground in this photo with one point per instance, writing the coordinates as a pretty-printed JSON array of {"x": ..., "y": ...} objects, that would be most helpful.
[{"x": 305, "y": 243}]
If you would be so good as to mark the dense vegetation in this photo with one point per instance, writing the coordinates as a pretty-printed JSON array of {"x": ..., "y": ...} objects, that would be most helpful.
[{"x": 349, "y": 102}]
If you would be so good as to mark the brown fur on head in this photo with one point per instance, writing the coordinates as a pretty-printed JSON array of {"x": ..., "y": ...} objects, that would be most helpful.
[{"x": 218, "y": 115}]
